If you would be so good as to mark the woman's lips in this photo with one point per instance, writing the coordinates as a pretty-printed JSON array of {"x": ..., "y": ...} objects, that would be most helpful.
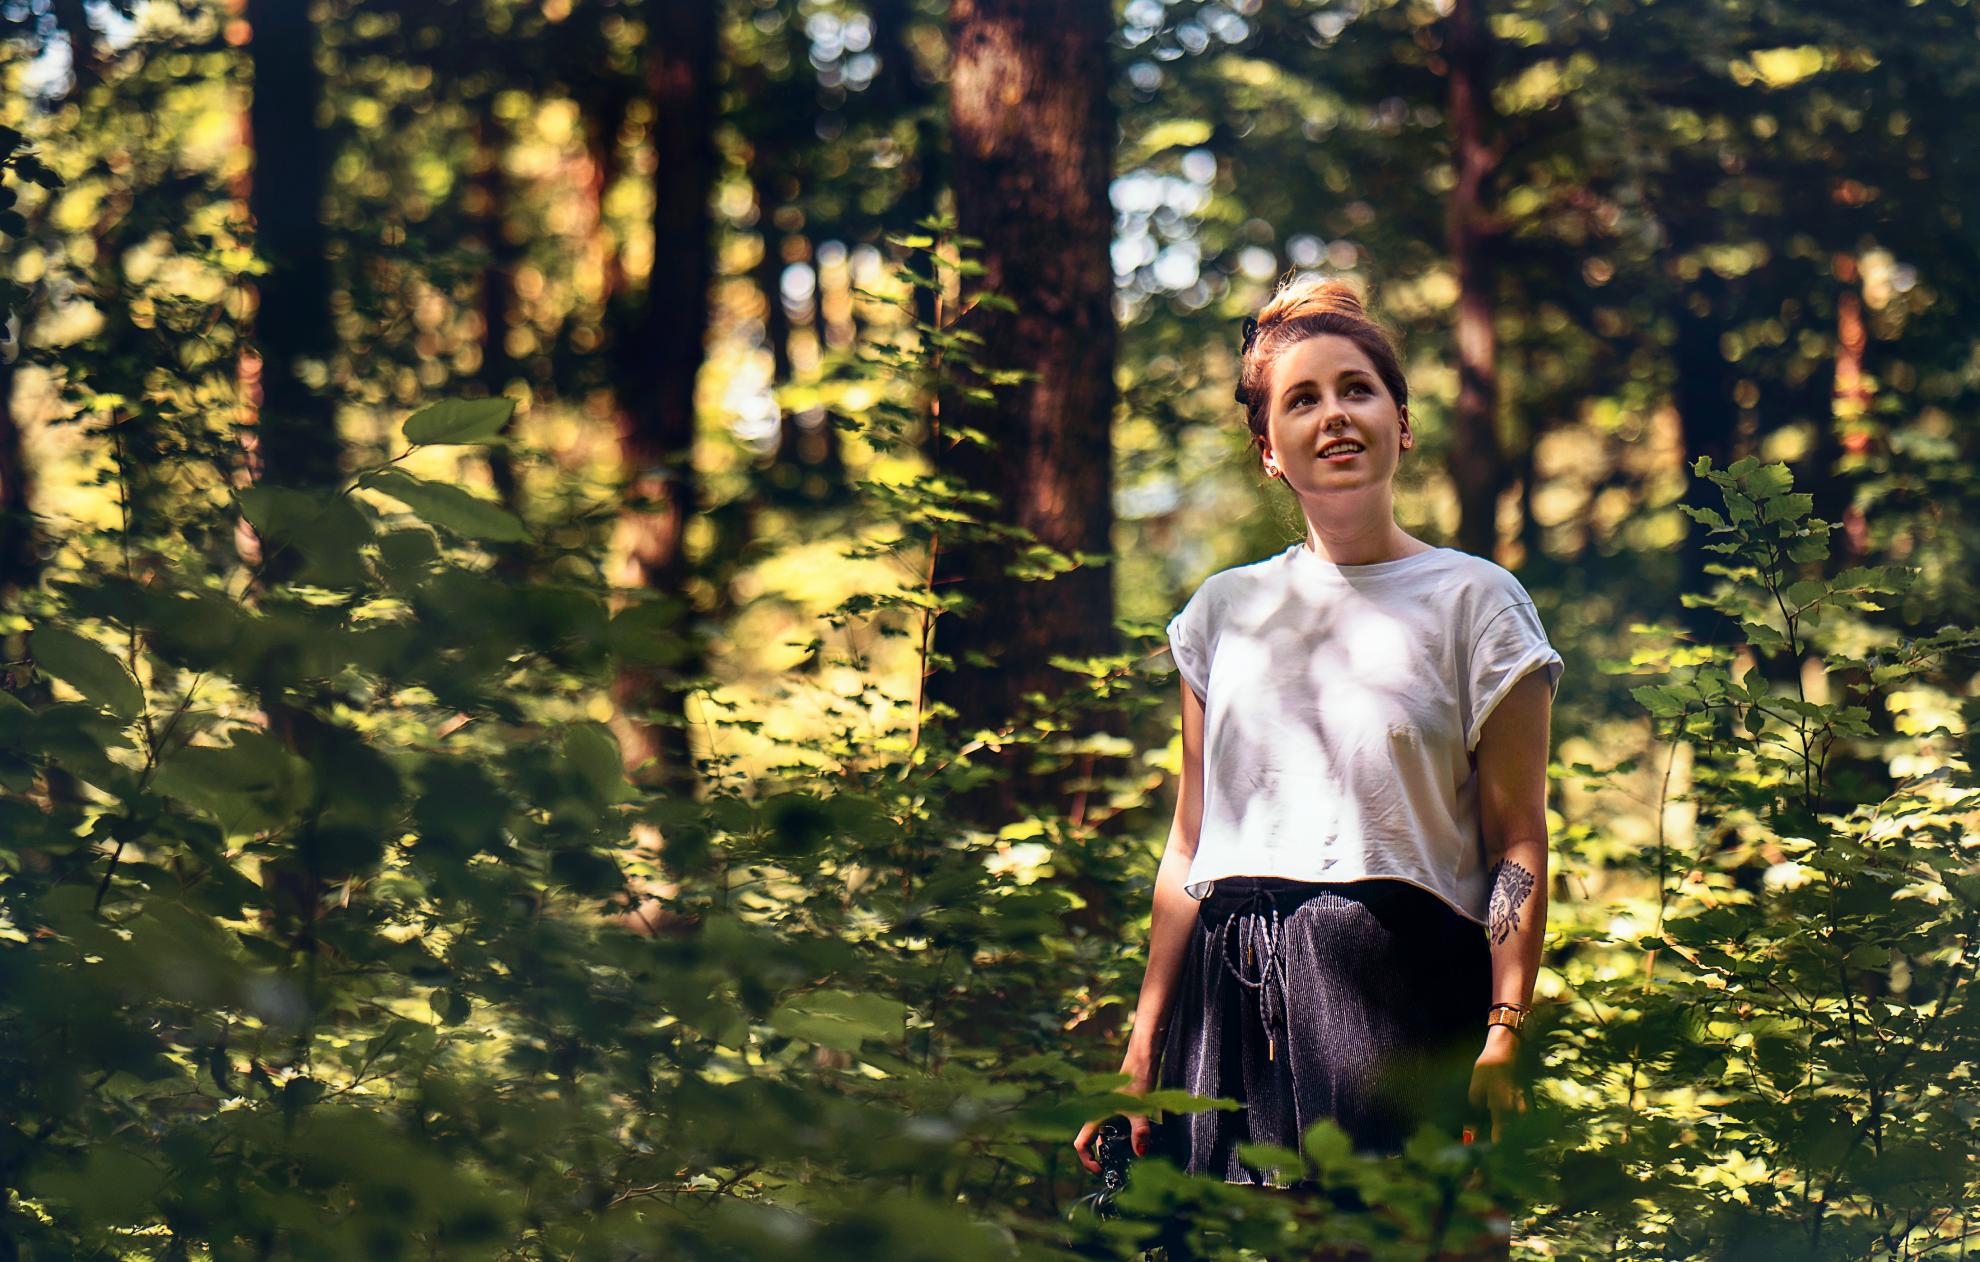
[{"x": 1340, "y": 455}]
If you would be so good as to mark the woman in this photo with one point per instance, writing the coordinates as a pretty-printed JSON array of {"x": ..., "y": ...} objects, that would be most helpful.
[{"x": 1349, "y": 912}]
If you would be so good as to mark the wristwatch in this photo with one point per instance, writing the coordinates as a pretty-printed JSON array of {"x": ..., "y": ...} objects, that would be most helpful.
[{"x": 1510, "y": 1015}]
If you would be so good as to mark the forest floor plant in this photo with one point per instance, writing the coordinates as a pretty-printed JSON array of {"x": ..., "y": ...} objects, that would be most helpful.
[{"x": 1787, "y": 1072}]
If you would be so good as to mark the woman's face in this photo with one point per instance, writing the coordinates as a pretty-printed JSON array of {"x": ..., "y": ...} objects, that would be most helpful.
[{"x": 1325, "y": 389}]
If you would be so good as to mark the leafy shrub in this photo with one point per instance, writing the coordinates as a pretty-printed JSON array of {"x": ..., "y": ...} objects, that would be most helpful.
[{"x": 1787, "y": 1070}]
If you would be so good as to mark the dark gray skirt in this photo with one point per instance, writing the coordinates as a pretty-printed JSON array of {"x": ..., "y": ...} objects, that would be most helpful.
[{"x": 1361, "y": 1001}]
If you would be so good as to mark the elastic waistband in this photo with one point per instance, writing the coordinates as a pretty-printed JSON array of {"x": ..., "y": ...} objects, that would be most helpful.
[{"x": 1379, "y": 896}]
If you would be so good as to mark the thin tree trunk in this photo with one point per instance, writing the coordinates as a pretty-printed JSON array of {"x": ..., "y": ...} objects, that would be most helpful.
[
  {"x": 1846, "y": 429},
  {"x": 1033, "y": 132},
  {"x": 785, "y": 475},
  {"x": 904, "y": 91},
  {"x": 295, "y": 443},
  {"x": 1477, "y": 462},
  {"x": 1703, "y": 394},
  {"x": 490, "y": 196},
  {"x": 20, "y": 551},
  {"x": 657, "y": 378},
  {"x": 292, "y": 441}
]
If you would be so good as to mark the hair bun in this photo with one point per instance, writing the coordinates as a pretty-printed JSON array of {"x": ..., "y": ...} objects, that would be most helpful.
[{"x": 1313, "y": 295}]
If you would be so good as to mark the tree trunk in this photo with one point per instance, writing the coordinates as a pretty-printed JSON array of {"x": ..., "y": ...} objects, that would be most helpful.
[
  {"x": 489, "y": 197},
  {"x": 292, "y": 439},
  {"x": 657, "y": 381},
  {"x": 1707, "y": 418},
  {"x": 1477, "y": 462},
  {"x": 904, "y": 92},
  {"x": 1033, "y": 132},
  {"x": 295, "y": 439},
  {"x": 784, "y": 478},
  {"x": 1846, "y": 430}
]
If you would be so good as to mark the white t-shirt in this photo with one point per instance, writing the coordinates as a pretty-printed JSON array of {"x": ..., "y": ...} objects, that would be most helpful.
[{"x": 1342, "y": 709}]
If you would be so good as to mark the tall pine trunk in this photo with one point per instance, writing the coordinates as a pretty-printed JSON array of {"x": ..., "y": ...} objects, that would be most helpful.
[
  {"x": 1477, "y": 462},
  {"x": 657, "y": 373},
  {"x": 1033, "y": 134},
  {"x": 290, "y": 437},
  {"x": 1847, "y": 429},
  {"x": 295, "y": 440},
  {"x": 1708, "y": 420}
]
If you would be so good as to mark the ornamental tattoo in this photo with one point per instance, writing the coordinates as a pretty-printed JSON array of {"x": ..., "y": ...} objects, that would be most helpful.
[{"x": 1511, "y": 884}]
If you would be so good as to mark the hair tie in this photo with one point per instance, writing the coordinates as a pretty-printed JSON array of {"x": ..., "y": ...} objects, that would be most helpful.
[{"x": 1250, "y": 336}]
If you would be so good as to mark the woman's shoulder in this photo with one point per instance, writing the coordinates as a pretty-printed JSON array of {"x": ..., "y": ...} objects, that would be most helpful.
[
  {"x": 1483, "y": 574},
  {"x": 1236, "y": 578}
]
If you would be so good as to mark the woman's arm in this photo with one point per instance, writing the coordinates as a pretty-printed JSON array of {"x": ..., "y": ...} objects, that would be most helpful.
[
  {"x": 1512, "y": 804},
  {"x": 1168, "y": 935},
  {"x": 1174, "y": 912}
]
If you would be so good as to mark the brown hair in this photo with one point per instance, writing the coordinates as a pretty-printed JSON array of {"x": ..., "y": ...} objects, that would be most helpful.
[{"x": 1305, "y": 307}]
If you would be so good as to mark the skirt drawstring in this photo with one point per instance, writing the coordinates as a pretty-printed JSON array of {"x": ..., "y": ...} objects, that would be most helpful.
[{"x": 1258, "y": 932}]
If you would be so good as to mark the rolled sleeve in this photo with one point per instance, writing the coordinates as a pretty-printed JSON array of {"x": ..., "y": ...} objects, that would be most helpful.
[{"x": 1511, "y": 646}]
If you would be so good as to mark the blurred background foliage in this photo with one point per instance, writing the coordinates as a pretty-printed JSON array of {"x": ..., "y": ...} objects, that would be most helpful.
[{"x": 582, "y": 586}]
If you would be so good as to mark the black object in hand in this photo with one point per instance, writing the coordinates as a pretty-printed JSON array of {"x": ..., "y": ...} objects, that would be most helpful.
[{"x": 1114, "y": 1148}]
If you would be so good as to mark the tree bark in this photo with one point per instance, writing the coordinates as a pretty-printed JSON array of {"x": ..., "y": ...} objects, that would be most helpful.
[
  {"x": 1707, "y": 418},
  {"x": 657, "y": 377},
  {"x": 290, "y": 438},
  {"x": 903, "y": 91},
  {"x": 1846, "y": 430},
  {"x": 1033, "y": 134},
  {"x": 294, "y": 442},
  {"x": 1477, "y": 461},
  {"x": 489, "y": 195}
]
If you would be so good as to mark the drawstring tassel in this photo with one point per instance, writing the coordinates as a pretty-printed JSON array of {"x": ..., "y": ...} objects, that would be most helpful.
[{"x": 1252, "y": 922}]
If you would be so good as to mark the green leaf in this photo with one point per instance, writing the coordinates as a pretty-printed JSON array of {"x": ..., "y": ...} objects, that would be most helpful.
[
  {"x": 1769, "y": 481},
  {"x": 1180, "y": 1100},
  {"x": 459, "y": 421},
  {"x": 1276, "y": 1163},
  {"x": 1761, "y": 636},
  {"x": 1789, "y": 507},
  {"x": 1812, "y": 548},
  {"x": 89, "y": 668},
  {"x": 593, "y": 755},
  {"x": 326, "y": 528},
  {"x": 247, "y": 786},
  {"x": 839, "y": 1019},
  {"x": 1657, "y": 700},
  {"x": 113, "y": 1186},
  {"x": 448, "y": 506}
]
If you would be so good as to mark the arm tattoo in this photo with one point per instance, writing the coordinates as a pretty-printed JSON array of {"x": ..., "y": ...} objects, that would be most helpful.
[{"x": 1510, "y": 884}]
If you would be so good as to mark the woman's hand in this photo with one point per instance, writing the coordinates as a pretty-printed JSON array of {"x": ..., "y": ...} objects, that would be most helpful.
[
  {"x": 1139, "y": 1131},
  {"x": 1141, "y": 1078},
  {"x": 1494, "y": 1079}
]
